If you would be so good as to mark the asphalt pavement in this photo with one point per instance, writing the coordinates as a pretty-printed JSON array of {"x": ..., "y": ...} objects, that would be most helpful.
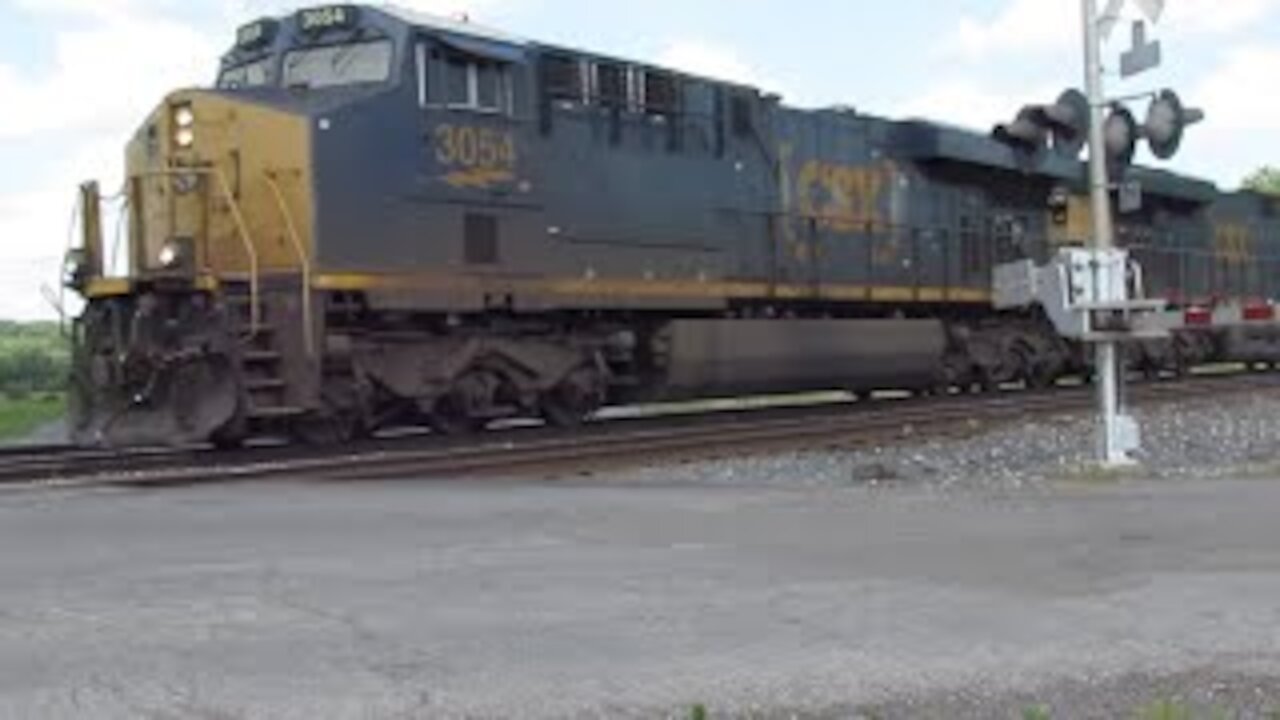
[{"x": 597, "y": 599}]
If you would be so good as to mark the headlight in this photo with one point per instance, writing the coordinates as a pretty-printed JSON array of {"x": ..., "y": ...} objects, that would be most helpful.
[
  {"x": 185, "y": 138},
  {"x": 171, "y": 255},
  {"x": 184, "y": 116}
]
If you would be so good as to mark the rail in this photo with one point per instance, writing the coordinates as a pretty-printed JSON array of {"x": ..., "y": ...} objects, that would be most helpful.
[
  {"x": 642, "y": 440},
  {"x": 308, "y": 316}
]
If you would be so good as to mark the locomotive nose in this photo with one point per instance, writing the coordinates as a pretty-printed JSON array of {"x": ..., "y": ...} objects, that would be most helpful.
[{"x": 167, "y": 188}]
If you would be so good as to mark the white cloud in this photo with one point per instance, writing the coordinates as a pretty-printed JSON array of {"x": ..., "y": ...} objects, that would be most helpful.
[
  {"x": 109, "y": 67},
  {"x": 971, "y": 104},
  {"x": 1220, "y": 17},
  {"x": 94, "y": 8},
  {"x": 1240, "y": 131},
  {"x": 1046, "y": 27},
  {"x": 1021, "y": 26},
  {"x": 697, "y": 57},
  {"x": 1237, "y": 94},
  {"x": 105, "y": 77}
]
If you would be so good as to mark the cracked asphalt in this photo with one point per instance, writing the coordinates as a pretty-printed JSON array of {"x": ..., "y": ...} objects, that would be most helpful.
[{"x": 598, "y": 599}]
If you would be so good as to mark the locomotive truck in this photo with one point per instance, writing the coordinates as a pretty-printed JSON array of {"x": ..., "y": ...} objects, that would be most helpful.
[{"x": 377, "y": 217}]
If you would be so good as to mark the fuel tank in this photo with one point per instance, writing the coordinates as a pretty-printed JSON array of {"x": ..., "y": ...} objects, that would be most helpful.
[{"x": 735, "y": 356}]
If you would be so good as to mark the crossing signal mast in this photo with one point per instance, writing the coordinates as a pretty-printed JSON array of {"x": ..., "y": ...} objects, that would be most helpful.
[{"x": 1094, "y": 294}]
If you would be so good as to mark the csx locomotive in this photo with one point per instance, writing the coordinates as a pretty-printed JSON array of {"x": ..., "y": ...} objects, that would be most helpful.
[{"x": 378, "y": 217}]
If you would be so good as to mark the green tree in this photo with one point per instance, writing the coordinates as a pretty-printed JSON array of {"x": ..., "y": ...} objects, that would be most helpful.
[{"x": 1264, "y": 180}]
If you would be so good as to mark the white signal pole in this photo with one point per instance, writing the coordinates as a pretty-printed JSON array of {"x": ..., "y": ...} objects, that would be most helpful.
[{"x": 1106, "y": 372}]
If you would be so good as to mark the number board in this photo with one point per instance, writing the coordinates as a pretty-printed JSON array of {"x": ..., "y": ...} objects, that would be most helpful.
[
  {"x": 333, "y": 17},
  {"x": 256, "y": 34}
]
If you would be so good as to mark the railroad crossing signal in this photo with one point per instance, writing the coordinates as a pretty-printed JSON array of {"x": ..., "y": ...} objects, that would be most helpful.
[
  {"x": 1152, "y": 9},
  {"x": 1143, "y": 56},
  {"x": 1064, "y": 127},
  {"x": 1167, "y": 122}
]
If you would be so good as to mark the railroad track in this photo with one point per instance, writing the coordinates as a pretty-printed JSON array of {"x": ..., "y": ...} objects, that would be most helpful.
[{"x": 611, "y": 443}]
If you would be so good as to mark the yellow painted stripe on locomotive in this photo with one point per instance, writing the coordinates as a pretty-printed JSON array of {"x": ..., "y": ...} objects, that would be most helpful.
[
  {"x": 100, "y": 288},
  {"x": 649, "y": 289},
  {"x": 356, "y": 282},
  {"x": 107, "y": 288}
]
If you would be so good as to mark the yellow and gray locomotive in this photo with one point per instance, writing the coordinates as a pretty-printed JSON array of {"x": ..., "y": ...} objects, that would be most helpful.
[{"x": 378, "y": 217}]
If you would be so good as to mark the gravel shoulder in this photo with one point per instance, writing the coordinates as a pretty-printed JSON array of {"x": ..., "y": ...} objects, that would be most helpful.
[{"x": 1198, "y": 441}]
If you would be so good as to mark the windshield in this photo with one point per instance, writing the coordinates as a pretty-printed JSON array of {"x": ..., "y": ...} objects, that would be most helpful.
[
  {"x": 249, "y": 75},
  {"x": 368, "y": 62}
]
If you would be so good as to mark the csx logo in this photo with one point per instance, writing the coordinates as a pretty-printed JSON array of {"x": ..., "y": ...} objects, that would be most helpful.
[
  {"x": 475, "y": 156},
  {"x": 842, "y": 198},
  {"x": 1233, "y": 242}
]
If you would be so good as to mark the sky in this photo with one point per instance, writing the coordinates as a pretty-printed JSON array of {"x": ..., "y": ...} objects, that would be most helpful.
[{"x": 77, "y": 76}]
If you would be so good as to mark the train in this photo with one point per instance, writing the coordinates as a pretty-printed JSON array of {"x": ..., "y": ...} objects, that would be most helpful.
[{"x": 378, "y": 218}]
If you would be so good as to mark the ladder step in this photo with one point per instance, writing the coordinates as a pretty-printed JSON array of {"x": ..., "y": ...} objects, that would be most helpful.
[{"x": 265, "y": 384}]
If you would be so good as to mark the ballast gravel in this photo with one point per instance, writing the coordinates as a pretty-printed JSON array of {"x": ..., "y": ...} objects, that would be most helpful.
[{"x": 1235, "y": 436}]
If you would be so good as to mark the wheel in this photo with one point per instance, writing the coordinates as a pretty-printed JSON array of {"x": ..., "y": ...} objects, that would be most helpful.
[
  {"x": 449, "y": 417},
  {"x": 231, "y": 436},
  {"x": 568, "y": 404}
]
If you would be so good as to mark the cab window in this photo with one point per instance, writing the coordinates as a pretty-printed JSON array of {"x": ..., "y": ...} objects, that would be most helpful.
[
  {"x": 248, "y": 75},
  {"x": 477, "y": 84},
  {"x": 338, "y": 65}
]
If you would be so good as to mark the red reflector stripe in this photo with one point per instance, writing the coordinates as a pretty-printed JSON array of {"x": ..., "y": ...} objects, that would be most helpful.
[
  {"x": 1198, "y": 316},
  {"x": 1259, "y": 313}
]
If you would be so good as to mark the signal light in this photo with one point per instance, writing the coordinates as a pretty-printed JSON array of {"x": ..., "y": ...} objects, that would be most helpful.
[
  {"x": 1167, "y": 123},
  {"x": 1027, "y": 133},
  {"x": 1121, "y": 133},
  {"x": 1064, "y": 126},
  {"x": 1069, "y": 123}
]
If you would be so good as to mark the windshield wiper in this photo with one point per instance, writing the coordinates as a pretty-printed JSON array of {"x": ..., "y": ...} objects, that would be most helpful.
[{"x": 342, "y": 57}]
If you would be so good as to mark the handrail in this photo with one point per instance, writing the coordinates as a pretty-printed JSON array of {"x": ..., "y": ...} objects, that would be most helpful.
[
  {"x": 308, "y": 328},
  {"x": 255, "y": 300},
  {"x": 255, "y": 305}
]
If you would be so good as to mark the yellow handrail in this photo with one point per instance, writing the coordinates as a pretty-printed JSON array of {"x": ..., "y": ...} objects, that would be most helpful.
[
  {"x": 255, "y": 305},
  {"x": 308, "y": 328}
]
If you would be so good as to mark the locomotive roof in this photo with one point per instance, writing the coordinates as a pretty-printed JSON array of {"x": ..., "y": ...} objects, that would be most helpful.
[
  {"x": 451, "y": 25},
  {"x": 467, "y": 28}
]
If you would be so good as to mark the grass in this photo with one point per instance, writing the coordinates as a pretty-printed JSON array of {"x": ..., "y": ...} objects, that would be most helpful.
[
  {"x": 20, "y": 417},
  {"x": 1038, "y": 712},
  {"x": 1165, "y": 710}
]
